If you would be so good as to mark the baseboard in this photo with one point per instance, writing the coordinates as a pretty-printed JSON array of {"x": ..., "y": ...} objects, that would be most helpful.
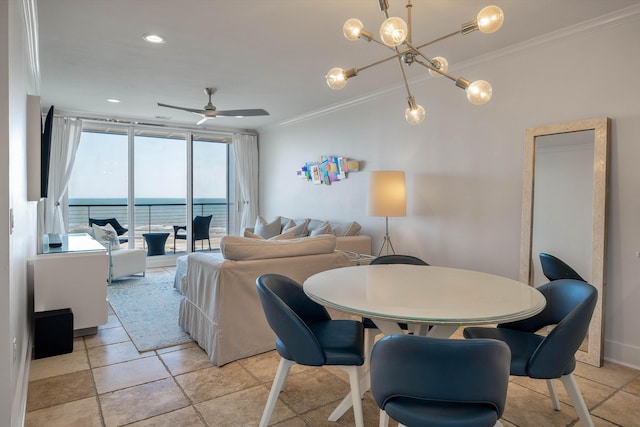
[
  {"x": 19, "y": 406},
  {"x": 622, "y": 354}
]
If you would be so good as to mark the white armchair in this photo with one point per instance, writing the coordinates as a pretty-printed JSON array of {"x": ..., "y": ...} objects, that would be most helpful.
[{"x": 126, "y": 262}]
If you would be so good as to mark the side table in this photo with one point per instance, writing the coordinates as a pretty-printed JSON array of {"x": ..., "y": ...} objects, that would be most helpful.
[{"x": 155, "y": 243}]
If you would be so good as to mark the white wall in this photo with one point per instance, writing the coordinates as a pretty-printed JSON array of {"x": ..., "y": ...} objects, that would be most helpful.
[
  {"x": 464, "y": 163},
  {"x": 15, "y": 247}
]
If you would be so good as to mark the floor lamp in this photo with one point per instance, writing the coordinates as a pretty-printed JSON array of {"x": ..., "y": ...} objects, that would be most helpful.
[{"x": 387, "y": 197}]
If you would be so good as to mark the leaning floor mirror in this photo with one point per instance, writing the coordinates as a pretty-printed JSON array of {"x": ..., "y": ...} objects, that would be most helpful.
[{"x": 564, "y": 208}]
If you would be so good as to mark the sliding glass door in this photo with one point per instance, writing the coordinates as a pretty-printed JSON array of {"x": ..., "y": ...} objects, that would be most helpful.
[
  {"x": 170, "y": 189},
  {"x": 160, "y": 189}
]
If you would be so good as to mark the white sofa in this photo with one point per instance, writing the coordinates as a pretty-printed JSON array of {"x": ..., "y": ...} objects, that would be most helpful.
[{"x": 220, "y": 307}]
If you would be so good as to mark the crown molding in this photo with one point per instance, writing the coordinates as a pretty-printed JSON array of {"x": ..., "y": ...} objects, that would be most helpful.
[{"x": 30, "y": 11}]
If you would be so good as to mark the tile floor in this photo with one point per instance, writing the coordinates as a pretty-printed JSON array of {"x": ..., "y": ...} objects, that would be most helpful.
[{"x": 106, "y": 382}]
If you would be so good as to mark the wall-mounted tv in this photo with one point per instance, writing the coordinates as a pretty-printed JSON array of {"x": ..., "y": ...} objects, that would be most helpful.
[{"x": 45, "y": 153}]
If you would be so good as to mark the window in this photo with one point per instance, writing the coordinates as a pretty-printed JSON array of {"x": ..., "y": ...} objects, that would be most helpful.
[{"x": 151, "y": 190}]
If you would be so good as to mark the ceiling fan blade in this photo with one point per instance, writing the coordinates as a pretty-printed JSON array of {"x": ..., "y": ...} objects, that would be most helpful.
[
  {"x": 202, "y": 120},
  {"x": 191, "y": 110},
  {"x": 242, "y": 113}
]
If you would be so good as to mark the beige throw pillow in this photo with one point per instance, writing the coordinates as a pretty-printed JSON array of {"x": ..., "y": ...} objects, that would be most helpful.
[
  {"x": 299, "y": 228},
  {"x": 346, "y": 229}
]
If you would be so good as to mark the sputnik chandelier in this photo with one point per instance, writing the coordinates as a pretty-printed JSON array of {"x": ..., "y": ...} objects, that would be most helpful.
[{"x": 395, "y": 34}]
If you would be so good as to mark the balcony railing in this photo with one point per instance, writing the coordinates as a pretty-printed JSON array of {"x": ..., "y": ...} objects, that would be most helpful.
[{"x": 154, "y": 218}]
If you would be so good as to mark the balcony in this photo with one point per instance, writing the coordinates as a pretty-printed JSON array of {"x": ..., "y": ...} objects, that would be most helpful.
[{"x": 153, "y": 216}]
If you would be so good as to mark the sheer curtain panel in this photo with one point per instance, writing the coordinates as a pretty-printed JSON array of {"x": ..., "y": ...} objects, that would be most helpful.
[
  {"x": 65, "y": 138},
  {"x": 245, "y": 148}
]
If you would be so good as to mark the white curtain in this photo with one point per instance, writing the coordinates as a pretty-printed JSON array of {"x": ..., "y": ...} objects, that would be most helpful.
[
  {"x": 65, "y": 138},
  {"x": 245, "y": 148}
]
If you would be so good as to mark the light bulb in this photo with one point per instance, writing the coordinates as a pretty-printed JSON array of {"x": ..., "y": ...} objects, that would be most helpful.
[
  {"x": 336, "y": 78},
  {"x": 490, "y": 19},
  {"x": 393, "y": 31},
  {"x": 444, "y": 66},
  {"x": 479, "y": 92},
  {"x": 415, "y": 115},
  {"x": 352, "y": 29}
]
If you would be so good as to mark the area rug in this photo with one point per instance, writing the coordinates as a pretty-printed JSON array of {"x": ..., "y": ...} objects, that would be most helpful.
[{"x": 148, "y": 310}]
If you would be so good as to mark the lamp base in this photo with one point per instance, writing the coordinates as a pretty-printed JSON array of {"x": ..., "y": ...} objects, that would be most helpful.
[{"x": 387, "y": 240}]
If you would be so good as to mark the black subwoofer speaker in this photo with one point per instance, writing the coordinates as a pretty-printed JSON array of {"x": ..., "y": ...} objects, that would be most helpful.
[{"x": 53, "y": 333}]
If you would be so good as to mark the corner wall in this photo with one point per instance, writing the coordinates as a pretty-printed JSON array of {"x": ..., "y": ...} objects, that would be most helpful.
[
  {"x": 17, "y": 243},
  {"x": 464, "y": 163}
]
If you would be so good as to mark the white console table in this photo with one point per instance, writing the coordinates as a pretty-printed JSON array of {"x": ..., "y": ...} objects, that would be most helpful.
[{"x": 73, "y": 276}]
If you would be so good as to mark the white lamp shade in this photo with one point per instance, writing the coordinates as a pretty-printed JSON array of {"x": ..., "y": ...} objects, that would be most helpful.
[{"x": 387, "y": 194}]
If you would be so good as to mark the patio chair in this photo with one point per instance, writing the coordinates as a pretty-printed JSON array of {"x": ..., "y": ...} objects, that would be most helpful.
[{"x": 200, "y": 231}]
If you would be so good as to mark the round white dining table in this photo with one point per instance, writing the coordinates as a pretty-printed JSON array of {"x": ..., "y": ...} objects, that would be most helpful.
[{"x": 439, "y": 296}]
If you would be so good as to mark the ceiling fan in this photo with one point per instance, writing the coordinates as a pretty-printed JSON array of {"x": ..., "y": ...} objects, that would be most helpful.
[{"x": 210, "y": 112}]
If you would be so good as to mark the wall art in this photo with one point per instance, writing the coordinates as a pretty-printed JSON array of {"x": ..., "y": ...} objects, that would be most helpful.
[{"x": 328, "y": 169}]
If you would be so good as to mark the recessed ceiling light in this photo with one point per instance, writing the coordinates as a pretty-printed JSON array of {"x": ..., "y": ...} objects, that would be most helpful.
[
  {"x": 153, "y": 38},
  {"x": 113, "y": 100}
]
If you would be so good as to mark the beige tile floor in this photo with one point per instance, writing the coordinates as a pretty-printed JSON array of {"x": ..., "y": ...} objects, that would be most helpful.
[{"x": 105, "y": 381}]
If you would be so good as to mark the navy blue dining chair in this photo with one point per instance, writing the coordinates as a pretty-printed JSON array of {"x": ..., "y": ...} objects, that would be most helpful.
[
  {"x": 570, "y": 305},
  {"x": 440, "y": 382},
  {"x": 306, "y": 335},
  {"x": 554, "y": 268}
]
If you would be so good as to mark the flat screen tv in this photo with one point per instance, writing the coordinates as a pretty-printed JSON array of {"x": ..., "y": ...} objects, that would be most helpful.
[{"x": 45, "y": 153}]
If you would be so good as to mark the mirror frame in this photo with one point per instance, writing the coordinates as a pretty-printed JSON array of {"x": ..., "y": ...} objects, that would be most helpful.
[{"x": 601, "y": 127}]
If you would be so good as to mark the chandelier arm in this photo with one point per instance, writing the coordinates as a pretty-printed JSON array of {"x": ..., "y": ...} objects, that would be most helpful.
[
  {"x": 437, "y": 40},
  {"x": 397, "y": 55}
]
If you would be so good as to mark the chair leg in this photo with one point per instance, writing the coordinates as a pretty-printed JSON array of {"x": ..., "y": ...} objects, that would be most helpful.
[
  {"x": 278, "y": 382},
  {"x": 554, "y": 395},
  {"x": 356, "y": 395},
  {"x": 573, "y": 390},
  {"x": 384, "y": 419}
]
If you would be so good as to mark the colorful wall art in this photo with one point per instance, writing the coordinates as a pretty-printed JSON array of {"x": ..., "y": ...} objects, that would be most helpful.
[{"x": 327, "y": 169}]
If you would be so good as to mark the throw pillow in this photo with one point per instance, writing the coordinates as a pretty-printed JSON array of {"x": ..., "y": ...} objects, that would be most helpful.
[
  {"x": 346, "y": 229},
  {"x": 105, "y": 235},
  {"x": 323, "y": 229},
  {"x": 298, "y": 229},
  {"x": 266, "y": 229}
]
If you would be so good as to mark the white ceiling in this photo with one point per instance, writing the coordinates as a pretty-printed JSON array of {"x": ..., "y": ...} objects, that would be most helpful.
[{"x": 270, "y": 54}]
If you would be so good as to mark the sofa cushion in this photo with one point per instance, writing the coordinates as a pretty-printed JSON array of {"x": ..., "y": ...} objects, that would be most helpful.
[
  {"x": 241, "y": 248},
  {"x": 346, "y": 229},
  {"x": 290, "y": 234},
  {"x": 267, "y": 229}
]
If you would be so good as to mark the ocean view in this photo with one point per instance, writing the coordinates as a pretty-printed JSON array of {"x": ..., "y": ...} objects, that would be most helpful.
[{"x": 151, "y": 214}]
